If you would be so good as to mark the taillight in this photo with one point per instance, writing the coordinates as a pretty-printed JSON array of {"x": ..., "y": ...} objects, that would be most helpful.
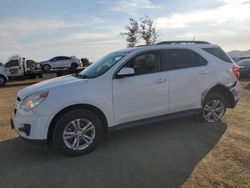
[{"x": 236, "y": 70}]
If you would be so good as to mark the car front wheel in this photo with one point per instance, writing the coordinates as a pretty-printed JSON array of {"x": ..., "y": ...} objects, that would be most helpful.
[
  {"x": 77, "y": 132},
  {"x": 2, "y": 81},
  {"x": 214, "y": 108},
  {"x": 74, "y": 66}
]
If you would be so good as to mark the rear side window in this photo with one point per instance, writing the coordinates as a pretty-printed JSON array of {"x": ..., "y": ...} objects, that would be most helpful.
[
  {"x": 182, "y": 58},
  {"x": 219, "y": 53}
]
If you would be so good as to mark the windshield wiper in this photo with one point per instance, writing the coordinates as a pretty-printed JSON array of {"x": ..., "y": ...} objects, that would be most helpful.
[{"x": 82, "y": 76}]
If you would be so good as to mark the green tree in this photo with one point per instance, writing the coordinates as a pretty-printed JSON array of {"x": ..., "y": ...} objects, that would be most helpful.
[
  {"x": 85, "y": 62},
  {"x": 132, "y": 33},
  {"x": 148, "y": 31}
]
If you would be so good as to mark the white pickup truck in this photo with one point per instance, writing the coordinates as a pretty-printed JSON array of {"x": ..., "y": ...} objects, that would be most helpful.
[
  {"x": 20, "y": 69},
  {"x": 14, "y": 68}
]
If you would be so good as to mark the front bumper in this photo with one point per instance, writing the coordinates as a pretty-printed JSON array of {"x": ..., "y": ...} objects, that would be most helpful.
[
  {"x": 39, "y": 144},
  {"x": 31, "y": 127}
]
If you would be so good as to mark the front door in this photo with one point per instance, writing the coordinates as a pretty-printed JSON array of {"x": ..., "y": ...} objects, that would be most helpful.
[
  {"x": 14, "y": 68},
  {"x": 143, "y": 95}
]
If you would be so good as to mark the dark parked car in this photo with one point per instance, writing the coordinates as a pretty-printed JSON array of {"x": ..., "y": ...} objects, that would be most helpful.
[{"x": 244, "y": 68}]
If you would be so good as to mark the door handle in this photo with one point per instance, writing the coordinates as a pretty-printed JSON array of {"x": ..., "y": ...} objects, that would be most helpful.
[
  {"x": 160, "y": 80},
  {"x": 203, "y": 72}
]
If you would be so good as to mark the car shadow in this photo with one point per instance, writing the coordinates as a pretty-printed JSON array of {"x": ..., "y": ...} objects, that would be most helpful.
[{"x": 158, "y": 155}]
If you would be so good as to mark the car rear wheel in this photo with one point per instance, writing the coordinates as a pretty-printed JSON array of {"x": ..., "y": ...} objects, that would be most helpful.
[
  {"x": 74, "y": 66},
  {"x": 77, "y": 132},
  {"x": 214, "y": 108},
  {"x": 2, "y": 81},
  {"x": 46, "y": 68}
]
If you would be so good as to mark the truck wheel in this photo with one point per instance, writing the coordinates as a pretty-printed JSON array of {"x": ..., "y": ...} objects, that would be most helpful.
[
  {"x": 46, "y": 68},
  {"x": 73, "y": 66},
  {"x": 77, "y": 132},
  {"x": 214, "y": 108},
  {"x": 2, "y": 81}
]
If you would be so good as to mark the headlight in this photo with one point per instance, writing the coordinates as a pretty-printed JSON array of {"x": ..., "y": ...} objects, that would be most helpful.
[{"x": 32, "y": 101}]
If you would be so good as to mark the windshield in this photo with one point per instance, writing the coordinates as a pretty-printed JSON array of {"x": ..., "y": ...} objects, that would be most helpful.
[{"x": 102, "y": 65}]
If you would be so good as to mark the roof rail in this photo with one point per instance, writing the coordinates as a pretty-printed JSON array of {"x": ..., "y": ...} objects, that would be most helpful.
[
  {"x": 183, "y": 42},
  {"x": 142, "y": 45}
]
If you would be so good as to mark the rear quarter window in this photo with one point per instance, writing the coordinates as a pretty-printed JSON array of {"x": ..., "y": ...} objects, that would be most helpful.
[{"x": 219, "y": 53}]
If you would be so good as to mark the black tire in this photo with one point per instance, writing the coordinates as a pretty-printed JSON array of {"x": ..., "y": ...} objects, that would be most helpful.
[
  {"x": 2, "y": 80},
  {"x": 203, "y": 116},
  {"x": 65, "y": 120},
  {"x": 73, "y": 66},
  {"x": 46, "y": 68}
]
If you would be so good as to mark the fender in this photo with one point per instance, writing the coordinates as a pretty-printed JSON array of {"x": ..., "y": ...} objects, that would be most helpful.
[
  {"x": 224, "y": 90},
  {"x": 4, "y": 75}
]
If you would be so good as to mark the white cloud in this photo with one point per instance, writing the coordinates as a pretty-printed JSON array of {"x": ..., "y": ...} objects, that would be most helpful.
[
  {"x": 131, "y": 6},
  {"x": 230, "y": 11},
  {"x": 38, "y": 39}
]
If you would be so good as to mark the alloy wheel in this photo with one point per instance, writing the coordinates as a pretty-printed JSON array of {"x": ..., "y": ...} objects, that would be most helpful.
[
  {"x": 79, "y": 134},
  {"x": 213, "y": 110}
]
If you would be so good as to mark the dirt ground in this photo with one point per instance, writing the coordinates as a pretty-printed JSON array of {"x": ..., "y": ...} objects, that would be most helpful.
[{"x": 227, "y": 164}]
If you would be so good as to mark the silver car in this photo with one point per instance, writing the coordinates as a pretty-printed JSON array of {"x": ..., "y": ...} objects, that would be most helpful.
[{"x": 60, "y": 62}]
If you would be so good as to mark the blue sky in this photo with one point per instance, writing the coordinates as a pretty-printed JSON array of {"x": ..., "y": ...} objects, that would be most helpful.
[{"x": 42, "y": 29}]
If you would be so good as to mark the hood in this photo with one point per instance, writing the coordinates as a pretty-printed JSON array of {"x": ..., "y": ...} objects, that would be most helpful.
[
  {"x": 48, "y": 85},
  {"x": 42, "y": 62}
]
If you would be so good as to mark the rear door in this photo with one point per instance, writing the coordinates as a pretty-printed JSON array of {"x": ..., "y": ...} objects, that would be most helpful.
[
  {"x": 143, "y": 95},
  {"x": 184, "y": 68}
]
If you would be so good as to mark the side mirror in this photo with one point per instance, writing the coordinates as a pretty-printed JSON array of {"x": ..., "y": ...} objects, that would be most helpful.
[{"x": 125, "y": 72}]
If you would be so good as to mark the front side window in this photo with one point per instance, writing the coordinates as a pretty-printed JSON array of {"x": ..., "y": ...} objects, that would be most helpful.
[
  {"x": 148, "y": 62},
  {"x": 103, "y": 65},
  {"x": 182, "y": 58},
  {"x": 54, "y": 59},
  {"x": 12, "y": 63}
]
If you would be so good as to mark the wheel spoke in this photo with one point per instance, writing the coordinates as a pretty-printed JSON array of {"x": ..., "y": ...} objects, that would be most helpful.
[
  {"x": 77, "y": 143},
  {"x": 207, "y": 108},
  {"x": 216, "y": 116},
  {"x": 219, "y": 109},
  {"x": 208, "y": 115},
  {"x": 78, "y": 123},
  {"x": 86, "y": 126},
  {"x": 215, "y": 103},
  {"x": 74, "y": 143},
  {"x": 74, "y": 125},
  {"x": 68, "y": 134}
]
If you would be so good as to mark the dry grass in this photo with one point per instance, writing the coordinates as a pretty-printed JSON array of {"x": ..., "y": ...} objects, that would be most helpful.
[{"x": 227, "y": 165}]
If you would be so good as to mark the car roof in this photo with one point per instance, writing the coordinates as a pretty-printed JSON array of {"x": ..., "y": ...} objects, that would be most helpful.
[{"x": 170, "y": 45}]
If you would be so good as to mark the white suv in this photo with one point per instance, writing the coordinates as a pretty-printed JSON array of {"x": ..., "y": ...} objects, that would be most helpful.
[
  {"x": 125, "y": 88},
  {"x": 60, "y": 62}
]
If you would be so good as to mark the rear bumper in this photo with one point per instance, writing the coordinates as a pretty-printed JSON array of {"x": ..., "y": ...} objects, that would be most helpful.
[{"x": 235, "y": 90}]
